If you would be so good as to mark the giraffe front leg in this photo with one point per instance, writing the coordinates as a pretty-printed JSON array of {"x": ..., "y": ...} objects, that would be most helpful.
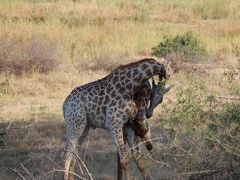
[
  {"x": 117, "y": 135},
  {"x": 115, "y": 128},
  {"x": 120, "y": 170}
]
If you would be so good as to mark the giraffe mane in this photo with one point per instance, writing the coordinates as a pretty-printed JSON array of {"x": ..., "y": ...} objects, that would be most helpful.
[{"x": 134, "y": 63}]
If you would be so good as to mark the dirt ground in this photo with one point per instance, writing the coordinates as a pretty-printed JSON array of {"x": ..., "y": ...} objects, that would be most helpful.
[{"x": 32, "y": 149}]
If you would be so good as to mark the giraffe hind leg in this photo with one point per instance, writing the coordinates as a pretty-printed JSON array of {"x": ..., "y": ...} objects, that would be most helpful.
[
  {"x": 75, "y": 133},
  {"x": 69, "y": 156},
  {"x": 133, "y": 141},
  {"x": 140, "y": 164}
]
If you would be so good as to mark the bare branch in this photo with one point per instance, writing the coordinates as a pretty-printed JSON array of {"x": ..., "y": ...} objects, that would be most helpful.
[
  {"x": 227, "y": 147},
  {"x": 85, "y": 167},
  {"x": 149, "y": 157},
  {"x": 139, "y": 144},
  {"x": 14, "y": 171},
  {"x": 26, "y": 170},
  {"x": 60, "y": 170},
  {"x": 54, "y": 162},
  {"x": 196, "y": 173},
  {"x": 57, "y": 170}
]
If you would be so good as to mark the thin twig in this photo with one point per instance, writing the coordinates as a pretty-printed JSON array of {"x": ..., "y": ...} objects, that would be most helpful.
[
  {"x": 160, "y": 149},
  {"x": 139, "y": 144},
  {"x": 149, "y": 157},
  {"x": 9, "y": 126},
  {"x": 21, "y": 176},
  {"x": 54, "y": 162},
  {"x": 58, "y": 170},
  {"x": 226, "y": 147},
  {"x": 80, "y": 167},
  {"x": 85, "y": 167},
  {"x": 26, "y": 170},
  {"x": 198, "y": 172},
  {"x": 185, "y": 151},
  {"x": 174, "y": 155},
  {"x": 175, "y": 137}
]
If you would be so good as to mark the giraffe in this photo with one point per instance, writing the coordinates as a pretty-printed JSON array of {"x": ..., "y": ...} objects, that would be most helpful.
[
  {"x": 106, "y": 103},
  {"x": 139, "y": 127}
]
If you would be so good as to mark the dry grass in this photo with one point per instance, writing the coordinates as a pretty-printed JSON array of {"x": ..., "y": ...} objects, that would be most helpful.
[
  {"x": 34, "y": 55},
  {"x": 95, "y": 29},
  {"x": 90, "y": 38}
]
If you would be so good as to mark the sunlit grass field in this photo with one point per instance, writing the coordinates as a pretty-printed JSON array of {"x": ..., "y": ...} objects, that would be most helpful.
[{"x": 108, "y": 33}]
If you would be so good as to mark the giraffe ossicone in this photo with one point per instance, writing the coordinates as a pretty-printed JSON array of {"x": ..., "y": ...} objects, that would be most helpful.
[{"x": 107, "y": 103}]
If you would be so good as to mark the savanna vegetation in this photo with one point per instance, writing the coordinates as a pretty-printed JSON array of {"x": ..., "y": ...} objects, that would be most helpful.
[{"x": 48, "y": 47}]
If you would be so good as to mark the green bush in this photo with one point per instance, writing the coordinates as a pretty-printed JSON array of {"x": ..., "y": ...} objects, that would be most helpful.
[
  {"x": 185, "y": 44},
  {"x": 230, "y": 81},
  {"x": 192, "y": 105},
  {"x": 231, "y": 114}
]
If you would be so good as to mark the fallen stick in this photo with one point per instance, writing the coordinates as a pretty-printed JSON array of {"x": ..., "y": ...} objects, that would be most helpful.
[{"x": 21, "y": 176}]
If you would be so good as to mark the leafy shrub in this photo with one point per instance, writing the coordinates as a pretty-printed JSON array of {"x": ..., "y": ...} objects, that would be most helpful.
[
  {"x": 231, "y": 79},
  {"x": 231, "y": 114},
  {"x": 192, "y": 106},
  {"x": 185, "y": 44},
  {"x": 35, "y": 55}
]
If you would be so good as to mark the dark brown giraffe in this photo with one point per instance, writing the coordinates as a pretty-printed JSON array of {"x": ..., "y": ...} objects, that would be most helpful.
[
  {"x": 107, "y": 103},
  {"x": 139, "y": 127}
]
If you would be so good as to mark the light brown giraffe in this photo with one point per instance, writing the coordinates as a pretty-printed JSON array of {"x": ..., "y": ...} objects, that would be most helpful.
[
  {"x": 107, "y": 103},
  {"x": 138, "y": 129}
]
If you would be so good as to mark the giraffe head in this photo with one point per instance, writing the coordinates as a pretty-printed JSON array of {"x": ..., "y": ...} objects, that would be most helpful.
[{"x": 156, "y": 96}]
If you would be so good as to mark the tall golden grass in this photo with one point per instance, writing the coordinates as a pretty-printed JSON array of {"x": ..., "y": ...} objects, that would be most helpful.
[{"x": 90, "y": 29}]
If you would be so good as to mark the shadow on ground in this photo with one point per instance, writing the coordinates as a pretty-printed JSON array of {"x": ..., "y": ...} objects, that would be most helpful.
[{"x": 32, "y": 149}]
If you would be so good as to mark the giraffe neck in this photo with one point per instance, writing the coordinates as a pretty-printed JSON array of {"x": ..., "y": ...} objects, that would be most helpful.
[{"x": 129, "y": 78}]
